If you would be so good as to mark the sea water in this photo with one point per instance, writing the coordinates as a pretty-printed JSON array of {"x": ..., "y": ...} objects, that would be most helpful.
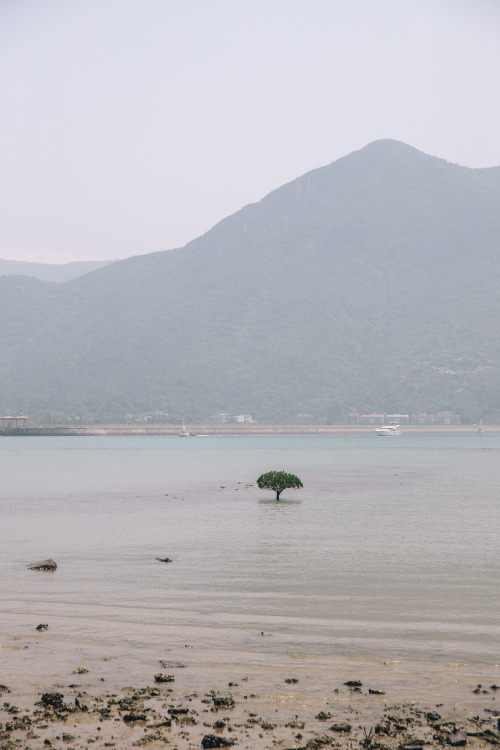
[{"x": 390, "y": 552}]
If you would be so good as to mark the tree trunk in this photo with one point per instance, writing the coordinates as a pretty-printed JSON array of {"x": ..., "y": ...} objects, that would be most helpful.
[{"x": 278, "y": 493}]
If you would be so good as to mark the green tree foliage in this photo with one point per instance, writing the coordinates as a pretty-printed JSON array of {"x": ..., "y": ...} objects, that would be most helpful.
[{"x": 277, "y": 481}]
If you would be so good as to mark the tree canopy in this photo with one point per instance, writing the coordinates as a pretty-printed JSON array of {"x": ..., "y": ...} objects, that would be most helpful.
[{"x": 277, "y": 481}]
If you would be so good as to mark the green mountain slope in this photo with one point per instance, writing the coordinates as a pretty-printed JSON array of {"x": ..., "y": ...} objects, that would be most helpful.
[{"x": 371, "y": 283}]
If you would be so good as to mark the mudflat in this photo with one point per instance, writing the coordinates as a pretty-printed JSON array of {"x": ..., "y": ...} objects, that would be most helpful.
[{"x": 185, "y": 704}]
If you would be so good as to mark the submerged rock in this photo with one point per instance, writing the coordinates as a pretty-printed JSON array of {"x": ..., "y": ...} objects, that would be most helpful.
[
  {"x": 43, "y": 565},
  {"x": 172, "y": 664}
]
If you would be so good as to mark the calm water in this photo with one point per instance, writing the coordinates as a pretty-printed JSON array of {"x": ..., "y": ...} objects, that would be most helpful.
[{"x": 390, "y": 551}]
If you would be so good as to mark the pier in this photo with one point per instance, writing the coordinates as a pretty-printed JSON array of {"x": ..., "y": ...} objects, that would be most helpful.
[{"x": 197, "y": 429}]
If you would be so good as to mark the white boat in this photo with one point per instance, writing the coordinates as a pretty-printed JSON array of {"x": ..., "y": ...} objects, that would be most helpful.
[
  {"x": 183, "y": 432},
  {"x": 388, "y": 430}
]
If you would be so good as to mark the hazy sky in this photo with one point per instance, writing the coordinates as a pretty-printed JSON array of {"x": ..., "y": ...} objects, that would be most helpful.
[{"x": 130, "y": 126}]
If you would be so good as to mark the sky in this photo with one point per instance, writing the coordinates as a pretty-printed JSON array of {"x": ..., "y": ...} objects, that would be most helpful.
[{"x": 132, "y": 126}]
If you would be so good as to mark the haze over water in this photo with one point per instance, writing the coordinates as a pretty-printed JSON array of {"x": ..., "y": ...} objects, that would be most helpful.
[{"x": 389, "y": 552}]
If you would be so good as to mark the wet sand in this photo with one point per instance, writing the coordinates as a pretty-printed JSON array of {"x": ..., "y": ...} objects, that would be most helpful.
[{"x": 183, "y": 697}]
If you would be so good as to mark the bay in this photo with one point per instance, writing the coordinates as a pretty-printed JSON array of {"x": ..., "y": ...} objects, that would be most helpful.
[{"x": 389, "y": 553}]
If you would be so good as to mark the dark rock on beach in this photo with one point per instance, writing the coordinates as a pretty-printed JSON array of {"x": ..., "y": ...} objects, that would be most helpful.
[
  {"x": 132, "y": 717},
  {"x": 406, "y": 726},
  {"x": 55, "y": 707},
  {"x": 164, "y": 559},
  {"x": 85, "y": 702},
  {"x": 432, "y": 716},
  {"x": 178, "y": 710},
  {"x": 223, "y": 701},
  {"x": 42, "y": 626},
  {"x": 318, "y": 743},
  {"x": 164, "y": 677},
  {"x": 323, "y": 716},
  {"x": 344, "y": 727},
  {"x": 457, "y": 739},
  {"x": 54, "y": 700},
  {"x": 19, "y": 723},
  {"x": 213, "y": 740}
]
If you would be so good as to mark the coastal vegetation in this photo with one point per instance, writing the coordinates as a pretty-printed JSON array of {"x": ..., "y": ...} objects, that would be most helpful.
[
  {"x": 368, "y": 285},
  {"x": 277, "y": 481}
]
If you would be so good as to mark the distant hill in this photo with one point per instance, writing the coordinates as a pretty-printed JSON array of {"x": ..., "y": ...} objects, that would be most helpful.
[
  {"x": 58, "y": 272},
  {"x": 369, "y": 284}
]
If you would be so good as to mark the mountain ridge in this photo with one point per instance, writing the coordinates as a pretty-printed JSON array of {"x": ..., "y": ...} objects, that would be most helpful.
[
  {"x": 368, "y": 284},
  {"x": 58, "y": 272}
]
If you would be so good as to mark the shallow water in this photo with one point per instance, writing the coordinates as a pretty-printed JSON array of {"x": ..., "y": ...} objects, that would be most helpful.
[{"x": 390, "y": 552}]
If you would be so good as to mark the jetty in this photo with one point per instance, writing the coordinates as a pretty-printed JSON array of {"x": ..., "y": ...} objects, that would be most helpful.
[{"x": 211, "y": 429}]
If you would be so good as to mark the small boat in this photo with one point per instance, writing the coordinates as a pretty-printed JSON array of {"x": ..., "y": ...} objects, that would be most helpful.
[
  {"x": 388, "y": 430},
  {"x": 183, "y": 432}
]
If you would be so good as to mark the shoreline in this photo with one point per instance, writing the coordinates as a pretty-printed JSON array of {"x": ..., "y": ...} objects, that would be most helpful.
[
  {"x": 183, "y": 695},
  {"x": 225, "y": 709},
  {"x": 205, "y": 430}
]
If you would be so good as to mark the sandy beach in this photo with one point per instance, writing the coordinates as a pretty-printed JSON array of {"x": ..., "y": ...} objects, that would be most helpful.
[{"x": 181, "y": 699}]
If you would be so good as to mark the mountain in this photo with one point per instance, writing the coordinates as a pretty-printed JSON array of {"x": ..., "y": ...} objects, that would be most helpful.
[
  {"x": 369, "y": 284},
  {"x": 50, "y": 271}
]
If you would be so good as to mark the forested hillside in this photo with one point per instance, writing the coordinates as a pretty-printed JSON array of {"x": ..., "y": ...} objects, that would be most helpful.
[{"x": 369, "y": 284}]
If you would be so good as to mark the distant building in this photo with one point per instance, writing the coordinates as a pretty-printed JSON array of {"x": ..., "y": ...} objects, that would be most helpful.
[
  {"x": 222, "y": 417},
  {"x": 372, "y": 419},
  {"x": 20, "y": 421},
  {"x": 442, "y": 417},
  {"x": 446, "y": 417},
  {"x": 14, "y": 425},
  {"x": 420, "y": 419},
  {"x": 398, "y": 418},
  {"x": 244, "y": 418}
]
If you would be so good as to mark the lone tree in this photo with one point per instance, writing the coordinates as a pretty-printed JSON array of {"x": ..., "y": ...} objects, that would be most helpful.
[{"x": 277, "y": 481}]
